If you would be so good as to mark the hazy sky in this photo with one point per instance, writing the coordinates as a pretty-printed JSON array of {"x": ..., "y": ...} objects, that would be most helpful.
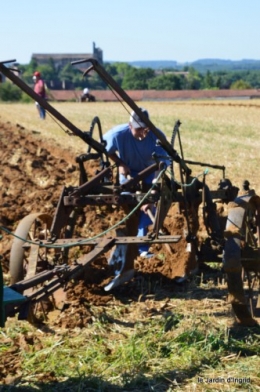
[{"x": 130, "y": 30}]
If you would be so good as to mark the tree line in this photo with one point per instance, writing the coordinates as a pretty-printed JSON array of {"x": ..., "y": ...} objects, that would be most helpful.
[{"x": 131, "y": 78}]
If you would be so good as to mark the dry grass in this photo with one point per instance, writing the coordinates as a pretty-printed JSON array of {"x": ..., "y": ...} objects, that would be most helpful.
[{"x": 214, "y": 132}]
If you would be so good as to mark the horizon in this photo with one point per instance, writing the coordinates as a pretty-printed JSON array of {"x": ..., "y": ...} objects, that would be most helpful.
[
  {"x": 185, "y": 62},
  {"x": 150, "y": 61}
]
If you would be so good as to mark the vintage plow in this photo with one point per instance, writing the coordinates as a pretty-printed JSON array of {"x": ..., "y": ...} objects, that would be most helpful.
[{"x": 40, "y": 263}]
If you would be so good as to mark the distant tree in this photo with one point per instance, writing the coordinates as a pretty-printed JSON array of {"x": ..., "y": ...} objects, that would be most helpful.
[
  {"x": 50, "y": 74},
  {"x": 47, "y": 72},
  {"x": 28, "y": 70},
  {"x": 96, "y": 83},
  {"x": 240, "y": 85},
  {"x": 222, "y": 79},
  {"x": 51, "y": 64},
  {"x": 193, "y": 80},
  {"x": 132, "y": 78},
  {"x": 122, "y": 68},
  {"x": 166, "y": 82},
  {"x": 66, "y": 75},
  {"x": 111, "y": 69},
  {"x": 33, "y": 64},
  {"x": 253, "y": 78},
  {"x": 137, "y": 78},
  {"x": 9, "y": 92},
  {"x": 117, "y": 71},
  {"x": 208, "y": 80},
  {"x": 219, "y": 82}
]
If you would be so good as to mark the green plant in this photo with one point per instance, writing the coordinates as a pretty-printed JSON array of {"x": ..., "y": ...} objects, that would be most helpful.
[{"x": 9, "y": 92}]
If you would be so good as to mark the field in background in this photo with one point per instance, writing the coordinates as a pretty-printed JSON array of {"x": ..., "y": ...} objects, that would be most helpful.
[{"x": 215, "y": 132}]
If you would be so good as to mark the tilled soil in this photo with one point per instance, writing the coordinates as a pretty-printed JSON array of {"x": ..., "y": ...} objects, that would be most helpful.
[{"x": 33, "y": 173}]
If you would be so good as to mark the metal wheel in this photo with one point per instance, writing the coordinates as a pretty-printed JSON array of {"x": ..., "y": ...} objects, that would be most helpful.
[
  {"x": 242, "y": 258},
  {"x": 27, "y": 261},
  {"x": 33, "y": 227}
]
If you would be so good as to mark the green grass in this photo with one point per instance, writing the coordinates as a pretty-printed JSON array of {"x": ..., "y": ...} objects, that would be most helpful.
[{"x": 169, "y": 350}]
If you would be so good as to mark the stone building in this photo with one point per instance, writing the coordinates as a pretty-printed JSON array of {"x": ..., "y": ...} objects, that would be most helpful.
[{"x": 62, "y": 59}]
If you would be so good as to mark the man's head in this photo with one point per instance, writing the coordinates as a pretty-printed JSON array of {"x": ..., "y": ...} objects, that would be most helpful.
[
  {"x": 138, "y": 128},
  {"x": 36, "y": 75}
]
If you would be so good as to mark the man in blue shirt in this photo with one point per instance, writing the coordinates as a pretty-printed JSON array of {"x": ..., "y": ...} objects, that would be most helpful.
[{"x": 131, "y": 147}]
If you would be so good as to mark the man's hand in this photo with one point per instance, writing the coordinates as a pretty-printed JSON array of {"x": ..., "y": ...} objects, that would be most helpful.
[
  {"x": 146, "y": 207},
  {"x": 124, "y": 170}
]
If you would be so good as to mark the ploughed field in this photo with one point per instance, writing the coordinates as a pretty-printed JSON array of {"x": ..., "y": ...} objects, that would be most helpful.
[{"x": 33, "y": 173}]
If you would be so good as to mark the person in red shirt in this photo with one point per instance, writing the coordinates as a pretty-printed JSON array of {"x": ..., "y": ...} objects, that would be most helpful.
[{"x": 39, "y": 88}]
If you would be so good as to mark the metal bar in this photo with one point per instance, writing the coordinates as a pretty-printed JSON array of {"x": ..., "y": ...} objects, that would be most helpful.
[
  {"x": 37, "y": 279},
  {"x": 84, "y": 188},
  {"x": 180, "y": 143},
  {"x": 66, "y": 273},
  {"x": 131, "y": 182},
  {"x": 80, "y": 241},
  {"x": 205, "y": 164},
  {"x": 117, "y": 199}
]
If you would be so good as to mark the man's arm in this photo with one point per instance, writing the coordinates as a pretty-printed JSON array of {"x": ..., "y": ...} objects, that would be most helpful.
[{"x": 123, "y": 168}]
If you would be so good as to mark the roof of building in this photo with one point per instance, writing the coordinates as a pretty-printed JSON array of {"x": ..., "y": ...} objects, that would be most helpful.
[
  {"x": 58, "y": 56},
  {"x": 157, "y": 95}
]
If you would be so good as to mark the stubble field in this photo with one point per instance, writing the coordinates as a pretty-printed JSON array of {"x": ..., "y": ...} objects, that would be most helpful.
[{"x": 216, "y": 132}]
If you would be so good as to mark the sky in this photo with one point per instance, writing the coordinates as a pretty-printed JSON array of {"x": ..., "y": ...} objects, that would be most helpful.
[{"x": 131, "y": 30}]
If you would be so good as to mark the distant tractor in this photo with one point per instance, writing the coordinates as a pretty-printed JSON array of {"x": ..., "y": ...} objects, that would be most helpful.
[{"x": 86, "y": 96}]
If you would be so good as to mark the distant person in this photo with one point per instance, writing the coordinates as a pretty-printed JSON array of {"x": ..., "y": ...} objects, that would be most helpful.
[
  {"x": 39, "y": 88},
  {"x": 86, "y": 96}
]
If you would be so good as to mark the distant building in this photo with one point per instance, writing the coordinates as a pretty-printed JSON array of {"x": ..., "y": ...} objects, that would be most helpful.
[{"x": 62, "y": 59}]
